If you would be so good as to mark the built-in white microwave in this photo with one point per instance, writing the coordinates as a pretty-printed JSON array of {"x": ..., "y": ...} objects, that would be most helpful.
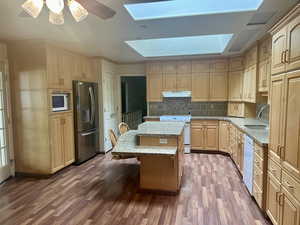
[{"x": 60, "y": 102}]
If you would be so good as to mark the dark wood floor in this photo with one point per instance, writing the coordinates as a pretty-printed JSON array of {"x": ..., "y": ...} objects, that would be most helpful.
[{"x": 104, "y": 192}]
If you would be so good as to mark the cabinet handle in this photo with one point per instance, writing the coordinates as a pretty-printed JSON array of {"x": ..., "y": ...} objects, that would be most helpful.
[
  {"x": 277, "y": 198},
  {"x": 278, "y": 150},
  {"x": 281, "y": 199},
  {"x": 282, "y": 56},
  {"x": 282, "y": 152},
  {"x": 286, "y": 56}
]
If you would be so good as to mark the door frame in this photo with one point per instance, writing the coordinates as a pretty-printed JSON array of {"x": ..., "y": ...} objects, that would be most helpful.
[{"x": 8, "y": 119}]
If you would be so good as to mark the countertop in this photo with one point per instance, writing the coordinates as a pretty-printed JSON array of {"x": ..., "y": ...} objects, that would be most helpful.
[
  {"x": 160, "y": 129},
  {"x": 127, "y": 145},
  {"x": 259, "y": 135}
]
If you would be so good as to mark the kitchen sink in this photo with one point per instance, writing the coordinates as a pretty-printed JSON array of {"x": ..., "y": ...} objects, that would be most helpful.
[{"x": 257, "y": 127}]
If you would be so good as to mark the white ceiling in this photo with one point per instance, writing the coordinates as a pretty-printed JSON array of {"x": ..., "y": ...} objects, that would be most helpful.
[{"x": 97, "y": 37}]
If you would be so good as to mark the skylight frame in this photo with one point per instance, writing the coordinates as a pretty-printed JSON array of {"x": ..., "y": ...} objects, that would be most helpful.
[
  {"x": 181, "y": 46},
  {"x": 183, "y": 8}
]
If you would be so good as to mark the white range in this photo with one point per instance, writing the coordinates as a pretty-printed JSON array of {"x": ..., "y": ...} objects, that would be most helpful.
[{"x": 187, "y": 128}]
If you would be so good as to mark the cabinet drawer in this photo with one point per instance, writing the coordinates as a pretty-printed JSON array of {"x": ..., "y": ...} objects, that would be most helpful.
[
  {"x": 259, "y": 150},
  {"x": 205, "y": 122},
  {"x": 258, "y": 161},
  {"x": 258, "y": 177},
  {"x": 274, "y": 169},
  {"x": 292, "y": 185},
  {"x": 257, "y": 194}
]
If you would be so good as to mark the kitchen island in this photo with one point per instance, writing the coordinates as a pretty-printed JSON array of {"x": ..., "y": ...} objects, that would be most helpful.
[{"x": 159, "y": 148}]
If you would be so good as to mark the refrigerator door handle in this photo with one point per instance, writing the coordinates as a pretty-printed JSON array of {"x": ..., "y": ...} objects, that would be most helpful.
[
  {"x": 88, "y": 133},
  {"x": 92, "y": 105}
]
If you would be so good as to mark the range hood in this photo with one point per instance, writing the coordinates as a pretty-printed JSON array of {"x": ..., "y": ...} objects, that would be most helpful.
[{"x": 177, "y": 94}]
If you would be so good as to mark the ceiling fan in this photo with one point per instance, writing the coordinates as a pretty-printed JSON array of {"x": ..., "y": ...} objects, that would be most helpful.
[{"x": 78, "y": 8}]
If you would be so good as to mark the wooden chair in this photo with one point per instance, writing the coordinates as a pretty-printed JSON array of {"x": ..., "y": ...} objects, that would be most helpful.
[
  {"x": 123, "y": 128},
  {"x": 113, "y": 138}
]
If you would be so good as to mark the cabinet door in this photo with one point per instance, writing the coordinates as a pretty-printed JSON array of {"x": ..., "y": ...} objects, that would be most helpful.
[
  {"x": 252, "y": 84},
  {"x": 235, "y": 85},
  {"x": 170, "y": 82},
  {"x": 219, "y": 65},
  {"x": 211, "y": 137},
  {"x": 272, "y": 206},
  {"x": 201, "y": 66},
  {"x": 293, "y": 45},
  {"x": 77, "y": 68},
  {"x": 218, "y": 86},
  {"x": 224, "y": 136},
  {"x": 154, "y": 67},
  {"x": 53, "y": 75},
  {"x": 56, "y": 143},
  {"x": 197, "y": 137},
  {"x": 290, "y": 210},
  {"x": 264, "y": 74},
  {"x": 246, "y": 85},
  {"x": 278, "y": 49},
  {"x": 291, "y": 152},
  {"x": 276, "y": 116},
  {"x": 170, "y": 67},
  {"x": 184, "y": 82},
  {"x": 66, "y": 68},
  {"x": 184, "y": 67},
  {"x": 236, "y": 64},
  {"x": 200, "y": 87},
  {"x": 68, "y": 139},
  {"x": 154, "y": 87}
]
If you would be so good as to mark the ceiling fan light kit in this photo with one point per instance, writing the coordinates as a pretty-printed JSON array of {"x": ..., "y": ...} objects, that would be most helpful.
[
  {"x": 56, "y": 7},
  {"x": 33, "y": 7}
]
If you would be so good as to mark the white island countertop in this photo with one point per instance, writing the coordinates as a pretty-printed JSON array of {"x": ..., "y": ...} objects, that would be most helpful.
[{"x": 160, "y": 129}]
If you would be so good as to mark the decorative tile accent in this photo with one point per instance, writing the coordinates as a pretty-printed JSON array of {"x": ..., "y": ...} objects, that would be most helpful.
[{"x": 184, "y": 106}]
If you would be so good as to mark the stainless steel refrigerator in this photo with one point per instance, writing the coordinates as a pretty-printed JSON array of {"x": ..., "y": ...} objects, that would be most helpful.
[{"x": 86, "y": 120}]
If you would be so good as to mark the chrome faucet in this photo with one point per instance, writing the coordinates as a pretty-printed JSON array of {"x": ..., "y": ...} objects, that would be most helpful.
[{"x": 262, "y": 109}]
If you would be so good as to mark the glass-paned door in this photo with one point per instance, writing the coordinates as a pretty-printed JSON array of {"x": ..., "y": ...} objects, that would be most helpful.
[{"x": 4, "y": 150}]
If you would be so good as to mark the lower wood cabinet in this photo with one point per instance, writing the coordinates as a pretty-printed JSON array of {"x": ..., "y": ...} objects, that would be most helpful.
[
  {"x": 272, "y": 205},
  {"x": 204, "y": 135},
  {"x": 224, "y": 137},
  {"x": 61, "y": 141}
]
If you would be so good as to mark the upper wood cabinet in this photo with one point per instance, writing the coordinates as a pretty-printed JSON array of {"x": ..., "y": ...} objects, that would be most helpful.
[
  {"x": 250, "y": 77},
  {"x": 224, "y": 127},
  {"x": 3, "y": 51},
  {"x": 184, "y": 67},
  {"x": 154, "y": 67},
  {"x": 285, "y": 43},
  {"x": 170, "y": 67},
  {"x": 240, "y": 109},
  {"x": 278, "y": 50},
  {"x": 265, "y": 49},
  {"x": 218, "y": 86},
  {"x": 200, "y": 87},
  {"x": 293, "y": 45},
  {"x": 154, "y": 87},
  {"x": 276, "y": 116},
  {"x": 290, "y": 151},
  {"x": 264, "y": 75},
  {"x": 220, "y": 65},
  {"x": 184, "y": 82},
  {"x": 235, "y": 83},
  {"x": 201, "y": 66},
  {"x": 251, "y": 56},
  {"x": 170, "y": 82},
  {"x": 236, "y": 64}
]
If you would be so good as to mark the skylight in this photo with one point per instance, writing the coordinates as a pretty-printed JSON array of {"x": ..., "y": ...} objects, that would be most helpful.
[
  {"x": 193, "y": 45},
  {"x": 179, "y": 8}
]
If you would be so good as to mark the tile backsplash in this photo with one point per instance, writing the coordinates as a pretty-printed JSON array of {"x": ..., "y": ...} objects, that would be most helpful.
[{"x": 184, "y": 106}]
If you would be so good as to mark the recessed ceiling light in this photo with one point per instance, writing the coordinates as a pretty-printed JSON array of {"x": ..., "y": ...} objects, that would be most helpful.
[
  {"x": 179, "y": 8},
  {"x": 179, "y": 46}
]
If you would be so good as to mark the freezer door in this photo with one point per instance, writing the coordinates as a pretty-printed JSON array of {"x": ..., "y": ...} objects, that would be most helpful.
[
  {"x": 87, "y": 144},
  {"x": 85, "y": 101}
]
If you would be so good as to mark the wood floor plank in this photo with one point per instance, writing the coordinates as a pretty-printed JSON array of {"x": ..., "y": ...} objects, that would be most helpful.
[{"x": 105, "y": 192}]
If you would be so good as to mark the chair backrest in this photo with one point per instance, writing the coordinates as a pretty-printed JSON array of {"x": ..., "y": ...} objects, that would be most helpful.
[
  {"x": 113, "y": 138},
  {"x": 123, "y": 127}
]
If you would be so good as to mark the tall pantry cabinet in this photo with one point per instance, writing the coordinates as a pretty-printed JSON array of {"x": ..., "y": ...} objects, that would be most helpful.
[
  {"x": 283, "y": 185},
  {"x": 44, "y": 140}
]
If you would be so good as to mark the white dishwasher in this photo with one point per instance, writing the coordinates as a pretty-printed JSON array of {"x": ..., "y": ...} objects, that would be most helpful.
[{"x": 248, "y": 163}]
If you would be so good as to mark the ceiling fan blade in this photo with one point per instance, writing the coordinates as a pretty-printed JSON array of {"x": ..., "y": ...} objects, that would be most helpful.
[
  {"x": 143, "y": 1},
  {"x": 97, "y": 8},
  {"x": 24, "y": 14}
]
